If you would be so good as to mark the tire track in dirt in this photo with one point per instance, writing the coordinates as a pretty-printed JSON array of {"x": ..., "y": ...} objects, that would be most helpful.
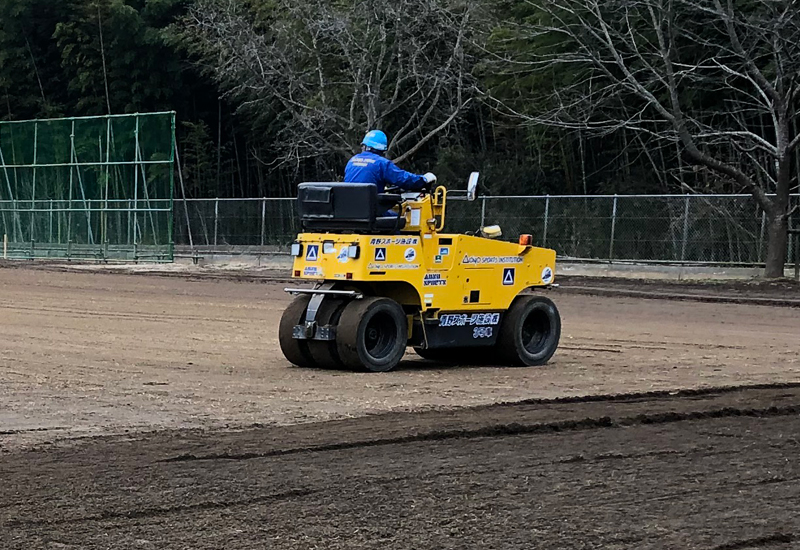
[
  {"x": 758, "y": 542},
  {"x": 506, "y": 430},
  {"x": 157, "y": 512},
  {"x": 697, "y": 411}
]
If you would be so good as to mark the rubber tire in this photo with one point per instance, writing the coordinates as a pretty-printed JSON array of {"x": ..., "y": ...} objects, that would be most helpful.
[
  {"x": 525, "y": 314},
  {"x": 351, "y": 338},
  {"x": 324, "y": 354},
  {"x": 296, "y": 351},
  {"x": 478, "y": 355}
]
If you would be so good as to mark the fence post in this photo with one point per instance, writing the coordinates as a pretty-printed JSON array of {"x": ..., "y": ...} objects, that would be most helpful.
[
  {"x": 546, "y": 218},
  {"x": 789, "y": 240},
  {"x": 761, "y": 236},
  {"x": 263, "y": 220},
  {"x": 613, "y": 229},
  {"x": 51, "y": 220},
  {"x": 216, "y": 219},
  {"x": 685, "y": 227},
  {"x": 483, "y": 211}
]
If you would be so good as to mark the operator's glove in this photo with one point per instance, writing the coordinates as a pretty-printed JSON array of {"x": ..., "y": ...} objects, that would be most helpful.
[{"x": 430, "y": 178}]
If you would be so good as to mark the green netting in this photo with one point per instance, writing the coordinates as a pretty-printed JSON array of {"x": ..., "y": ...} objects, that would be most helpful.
[{"x": 96, "y": 187}]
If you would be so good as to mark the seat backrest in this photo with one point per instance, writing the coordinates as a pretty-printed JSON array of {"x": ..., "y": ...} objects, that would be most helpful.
[
  {"x": 332, "y": 206},
  {"x": 346, "y": 206}
]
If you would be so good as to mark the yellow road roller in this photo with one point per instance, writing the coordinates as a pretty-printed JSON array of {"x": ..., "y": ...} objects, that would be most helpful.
[{"x": 384, "y": 277}]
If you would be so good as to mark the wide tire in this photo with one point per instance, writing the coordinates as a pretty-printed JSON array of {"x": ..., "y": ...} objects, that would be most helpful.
[
  {"x": 372, "y": 334},
  {"x": 296, "y": 351},
  {"x": 530, "y": 331},
  {"x": 324, "y": 353}
]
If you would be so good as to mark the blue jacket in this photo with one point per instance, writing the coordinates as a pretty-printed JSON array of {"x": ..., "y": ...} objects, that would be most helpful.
[{"x": 368, "y": 167}]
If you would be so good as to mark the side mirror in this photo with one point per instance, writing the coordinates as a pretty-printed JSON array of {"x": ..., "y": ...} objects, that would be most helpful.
[{"x": 472, "y": 186}]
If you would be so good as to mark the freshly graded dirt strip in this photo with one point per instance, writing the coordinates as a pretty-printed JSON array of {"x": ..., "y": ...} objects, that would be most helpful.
[
  {"x": 694, "y": 297},
  {"x": 694, "y": 470},
  {"x": 779, "y": 293},
  {"x": 83, "y": 354}
]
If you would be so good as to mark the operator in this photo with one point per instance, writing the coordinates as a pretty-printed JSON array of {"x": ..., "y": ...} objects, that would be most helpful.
[{"x": 372, "y": 166}]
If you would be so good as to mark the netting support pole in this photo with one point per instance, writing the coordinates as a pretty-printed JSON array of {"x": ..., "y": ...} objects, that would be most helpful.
[
  {"x": 546, "y": 220},
  {"x": 263, "y": 220},
  {"x": 33, "y": 185},
  {"x": 136, "y": 181},
  {"x": 483, "y": 211},
  {"x": 685, "y": 227},
  {"x": 789, "y": 240},
  {"x": 71, "y": 183},
  {"x": 171, "y": 216},
  {"x": 613, "y": 229},
  {"x": 216, "y": 220},
  {"x": 104, "y": 214},
  {"x": 761, "y": 235}
]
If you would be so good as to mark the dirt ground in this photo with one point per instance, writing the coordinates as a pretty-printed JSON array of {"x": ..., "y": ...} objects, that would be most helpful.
[
  {"x": 84, "y": 354},
  {"x": 714, "y": 470},
  {"x": 153, "y": 412}
]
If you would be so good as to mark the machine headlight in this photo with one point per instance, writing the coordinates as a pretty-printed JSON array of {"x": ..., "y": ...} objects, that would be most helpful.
[
  {"x": 297, "y": 249},
  {"x": 353, "y": 251},
  {"x": 328, "y": 247}
]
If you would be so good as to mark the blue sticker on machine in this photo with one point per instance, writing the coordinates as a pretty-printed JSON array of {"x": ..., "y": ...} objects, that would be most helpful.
[
  {"x": 313, "y": 253},
  {"x": 380, "y": 254},
  {"x": 469, "y": 320},
  {"x": 509, "y": 274}
]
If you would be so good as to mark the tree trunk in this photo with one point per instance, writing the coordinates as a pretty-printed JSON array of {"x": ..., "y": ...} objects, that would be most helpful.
[{"x": 777, "y": 236}]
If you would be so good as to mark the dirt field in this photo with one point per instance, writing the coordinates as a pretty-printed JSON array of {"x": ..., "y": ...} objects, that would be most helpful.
[
  {"x": 157, "y": 412},
  {"x": 710, "y": 471},
  {"x": 85, "y": 353}
]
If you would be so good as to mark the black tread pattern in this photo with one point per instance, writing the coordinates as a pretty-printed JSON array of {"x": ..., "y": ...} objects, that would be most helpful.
[{"x": 296, "y": 351}]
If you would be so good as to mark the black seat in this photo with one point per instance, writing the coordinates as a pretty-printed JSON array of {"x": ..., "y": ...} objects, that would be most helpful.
[{"x": 347, "y": 207}]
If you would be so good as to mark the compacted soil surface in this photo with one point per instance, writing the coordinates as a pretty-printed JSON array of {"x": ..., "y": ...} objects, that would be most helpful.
[
  {"x": 150, "y": 411},
  {"x": 84, "y": 354}
]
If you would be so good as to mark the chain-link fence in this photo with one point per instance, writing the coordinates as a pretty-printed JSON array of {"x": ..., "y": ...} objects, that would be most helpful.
[
  {"x": 728, "y": 229},
  {"x": 90, "y": 187}
]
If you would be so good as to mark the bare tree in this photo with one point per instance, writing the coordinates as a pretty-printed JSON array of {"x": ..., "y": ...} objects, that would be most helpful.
[
  {"x": 324, "y": 72},
  {"x": 719, "y": 77}
]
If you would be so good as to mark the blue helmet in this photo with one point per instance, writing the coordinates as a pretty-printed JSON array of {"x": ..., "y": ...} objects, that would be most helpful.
[{"x": 376, "y": 139}]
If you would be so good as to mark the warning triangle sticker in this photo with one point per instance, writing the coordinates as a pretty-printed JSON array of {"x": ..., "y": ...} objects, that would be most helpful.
[
  {"x": 380, "y": 254},
  {"x": 508, "y": 276},
  {"x": 313, "y": 252}
]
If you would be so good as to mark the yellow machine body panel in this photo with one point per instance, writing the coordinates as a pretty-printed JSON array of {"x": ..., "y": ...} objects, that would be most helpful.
[{"x": 435, "y": 271}]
